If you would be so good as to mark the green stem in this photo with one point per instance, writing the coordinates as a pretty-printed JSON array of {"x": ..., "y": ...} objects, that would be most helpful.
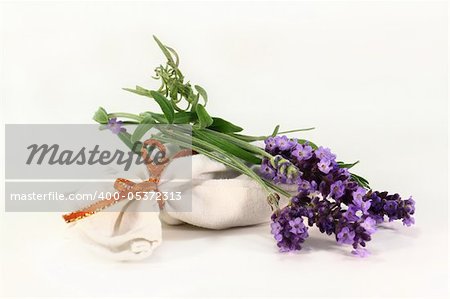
[
  {"x": 241, "y": 143},
  {"x": 278, "y": 189},
  {"x": 125, "y": 115},
  {"x": 248, "y": 138},
  {"x": 296, "y": 130}
]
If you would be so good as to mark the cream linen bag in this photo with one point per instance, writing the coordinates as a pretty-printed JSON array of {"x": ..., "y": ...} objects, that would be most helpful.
[{"x": 221, "y": 198}]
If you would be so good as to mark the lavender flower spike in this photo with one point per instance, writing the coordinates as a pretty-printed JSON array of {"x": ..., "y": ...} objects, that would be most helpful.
[{"x": 329, "y": 197}]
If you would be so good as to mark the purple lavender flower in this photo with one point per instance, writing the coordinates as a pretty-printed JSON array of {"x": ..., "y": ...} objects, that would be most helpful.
[
  {"x": 410, "y": 206},
  {"x": 337, "y": 189},
  {"x": 359, "y": 193},
  {"x": 370, "y": 225},
  {"x": 116, "y": 126},
  {"x": 324, "y": 166},
  {"x": 267, "y": 170},
  {"x": 360, "y": 202},
  {"x": 345, "y": 236},
  {"x": 350, "y": 213},
  {"x": 288, "y": 229},
  {"x": 276, "y": 228},
  {"x": 362, "y": 205},
  {"x": 283, "y": 143},
  {"x": 302, "y": 152},
  {"x": 304, "y": 185},
  {"x": 297, "y": 226},
  {"x": 324, "y": 154},
  {"x": 271, "y": 145}
]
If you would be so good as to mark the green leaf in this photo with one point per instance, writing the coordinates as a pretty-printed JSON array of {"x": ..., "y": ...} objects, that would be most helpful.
[
  {"x": 145, "y": 125},
  {"x": 224, "y": 126},
  {"x": 203, "y": 117},
  {"x": 193, "y": 100},
  {"x": 165, "y": 105},
  {"x": 275, "y": 131},
  {"x": 225, "y": 145},
  {"x": 347, "y": 165},
  {"x": 139, "y": 90},
  {"x": 173, "y": 91},
  {"x": 164, "y": 50},
  {"x": 142, "y": 90},
  {"x": 158, "y": 117},
  {"x": 101, "y": 116},
  {"x": 175, "y": 54},
  {"x": 163, "y": 102},
  {"x": 182, "y": 117},
  {"x": 242, "y": 144},
  {"x": 360, "y": 180},
  {"x": 202, "y": 93}
]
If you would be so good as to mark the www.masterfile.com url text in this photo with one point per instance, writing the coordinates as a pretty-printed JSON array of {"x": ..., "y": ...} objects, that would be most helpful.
[{"x": 59, "y": 196}]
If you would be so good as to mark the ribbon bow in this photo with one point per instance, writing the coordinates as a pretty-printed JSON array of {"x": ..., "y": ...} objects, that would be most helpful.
[{"x": 126, "y": 187}]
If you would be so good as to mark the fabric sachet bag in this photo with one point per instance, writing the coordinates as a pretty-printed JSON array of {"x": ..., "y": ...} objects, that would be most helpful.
[{"x": 220, "y": 198}]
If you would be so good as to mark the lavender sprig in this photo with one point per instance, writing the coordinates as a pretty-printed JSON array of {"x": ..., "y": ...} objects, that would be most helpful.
[{"x": 329, "y": 198}]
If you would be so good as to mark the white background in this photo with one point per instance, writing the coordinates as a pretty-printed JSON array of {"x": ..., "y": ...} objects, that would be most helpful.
[{"x": 370, "y": 76}]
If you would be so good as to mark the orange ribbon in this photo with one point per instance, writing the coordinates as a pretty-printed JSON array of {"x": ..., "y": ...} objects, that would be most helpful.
[{"x": 126, "y": 187}]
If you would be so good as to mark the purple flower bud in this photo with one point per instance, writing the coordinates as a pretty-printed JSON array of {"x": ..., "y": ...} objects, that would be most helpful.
[
  {"x": 390, "y": 207},
  {"x": 326, "y": 224},
  {"x": 283, "y": 170}
]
